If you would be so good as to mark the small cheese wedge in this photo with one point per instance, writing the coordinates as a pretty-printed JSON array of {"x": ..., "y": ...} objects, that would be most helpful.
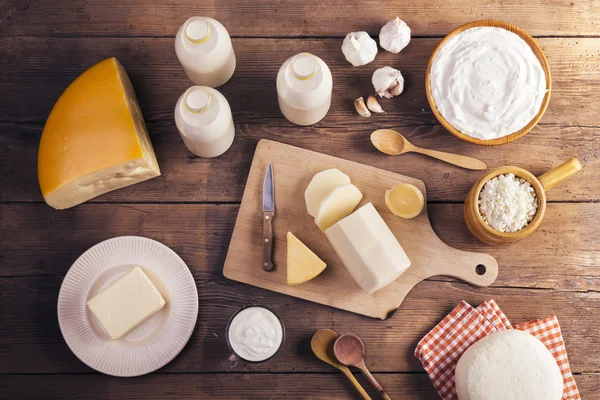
[
  {"x": 339, "y": 204},
  {"x": 95, "y": 139},
  {"x": 302, "y": 264},
  {"x": 321, "y": 185},
  {"x": 405, "y": 200},
  {"x": 368, "y": 249},
  {"x": 126, "y": 303}
]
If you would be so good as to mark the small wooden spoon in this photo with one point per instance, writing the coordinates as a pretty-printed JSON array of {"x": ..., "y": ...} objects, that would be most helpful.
[
  {"x": 393, "y": 143},
  {"x": 322, "y": 345},
  {"x": 350, "y": 350}
]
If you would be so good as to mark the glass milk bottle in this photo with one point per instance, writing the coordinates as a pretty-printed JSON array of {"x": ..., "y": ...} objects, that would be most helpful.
[
  {"x": 304, "y": 86},
  {"x": 203, "y": 118},
  {"x": 204, "y": 49}
]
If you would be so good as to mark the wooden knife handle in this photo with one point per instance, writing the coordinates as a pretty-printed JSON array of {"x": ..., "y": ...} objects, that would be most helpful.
[{"x": 268, "y": 240}]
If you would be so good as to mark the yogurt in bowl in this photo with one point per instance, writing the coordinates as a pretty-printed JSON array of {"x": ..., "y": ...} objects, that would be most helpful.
[
  {"x": 486, "y": 84},
  {"x": 255, "y": 334}
]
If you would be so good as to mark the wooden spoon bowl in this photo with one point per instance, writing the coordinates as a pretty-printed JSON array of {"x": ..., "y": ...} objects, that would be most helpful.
[
  {"x": 482, "y": 231},
  {"x": 539, "y": 54}
]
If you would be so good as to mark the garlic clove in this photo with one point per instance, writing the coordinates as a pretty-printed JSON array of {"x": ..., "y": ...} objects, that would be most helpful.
[
  {"x": 373, "y": 105},
  {"x": 388, "y": 82},
  {"x": 361, "y": 108},
  {"x": 396, "y": 88},
  {"x": 394, "y": 36},
  {"x": 359, "y": 48}
]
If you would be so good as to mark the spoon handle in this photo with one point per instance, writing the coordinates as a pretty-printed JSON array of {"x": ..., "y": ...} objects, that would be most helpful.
[
  {"x": 455, "y": 159},
  {"x": 356, "y": 384},
  {"x": 375, "y": 384}
]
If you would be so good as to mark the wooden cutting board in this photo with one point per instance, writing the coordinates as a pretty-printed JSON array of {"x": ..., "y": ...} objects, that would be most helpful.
[{"x": 293, "y": 169}]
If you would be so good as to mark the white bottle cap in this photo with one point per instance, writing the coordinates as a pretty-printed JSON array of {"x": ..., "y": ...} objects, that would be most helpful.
[
  {"x": 197, "y": 99},
  {"x": 304, "y": 66},
  {"x": 196, "y": 30}
]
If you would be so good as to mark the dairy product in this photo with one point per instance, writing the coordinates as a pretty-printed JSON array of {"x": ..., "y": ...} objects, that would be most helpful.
[
  {"x": 405, "y": 200},
  {"x": 507, "y": 203},
  {"x": 255, "y": 334},
  {"x": 204, "y": 49},
  {"x": 508, "y": 365},
  {"x": 304, "y": 86},
  {"x": 338, "y": 204},
  {"x": 302, "y": 264},
  {"x": 368, "y": 249},
  {"x": 203, "y": 118},
  {"x": 95, "y": 139},
  {"x": 487, "y": 83},
  {"x": 320, "y": 186},
  {"x": 126, "y": 303}
]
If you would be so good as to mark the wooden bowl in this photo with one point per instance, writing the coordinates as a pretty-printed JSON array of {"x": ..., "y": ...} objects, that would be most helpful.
[
  {"x": 537, "y": 50},
  {"x": 545, "y": 182}
]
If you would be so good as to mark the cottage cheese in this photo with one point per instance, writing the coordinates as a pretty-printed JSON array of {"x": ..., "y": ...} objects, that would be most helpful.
[
  {"x": 507, "y": 203},
  {"x": 487, "y": 83}
]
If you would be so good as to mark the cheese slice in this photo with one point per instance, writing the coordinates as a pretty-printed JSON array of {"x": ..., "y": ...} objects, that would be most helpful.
[
  {"x": 368, "y": 249},
  {"x": 95, "y": 139},
  {"x": 405, "y": 200},
  {"x": 126, "y": 303},
  {"x": 302, "y": 264},
  {"x": 508, "y": 365},
  {"x": 338, "y": 204},
  {"x": 320, "y": 186}
]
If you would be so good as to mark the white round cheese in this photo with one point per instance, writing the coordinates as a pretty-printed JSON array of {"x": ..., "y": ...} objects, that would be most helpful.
[{"x": 508, "y": 365}]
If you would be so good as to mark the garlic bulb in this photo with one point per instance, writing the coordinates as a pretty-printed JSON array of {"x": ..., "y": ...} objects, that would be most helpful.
[
  {"x": 359, "y": 48},
  {"x": 394, "y": 36},
  {"x": 388, "y": 82}
]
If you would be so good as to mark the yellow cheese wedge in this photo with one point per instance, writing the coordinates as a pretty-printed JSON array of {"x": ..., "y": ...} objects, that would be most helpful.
[
  {"x": 405, "y": 200},
  {"x": 95, "y": 139},
  {"x": 302, "y": 264}
]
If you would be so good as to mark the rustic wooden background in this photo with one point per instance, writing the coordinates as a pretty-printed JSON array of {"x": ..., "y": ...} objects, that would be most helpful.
[{"x": 192, "y": 207}]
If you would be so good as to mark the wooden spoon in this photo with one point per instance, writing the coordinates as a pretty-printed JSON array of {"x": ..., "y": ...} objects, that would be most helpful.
[
  {"x": 322, "y": 345},
  {"x": 350, "y": 350},
  {"x": 393, "y": 143}
]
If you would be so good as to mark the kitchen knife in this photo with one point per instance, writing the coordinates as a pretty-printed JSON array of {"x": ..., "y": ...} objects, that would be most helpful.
[{"x": 268, "y": 215}]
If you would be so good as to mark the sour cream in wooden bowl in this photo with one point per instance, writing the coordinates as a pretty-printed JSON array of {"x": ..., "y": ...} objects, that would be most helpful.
[{"x": 488, "y": 82}]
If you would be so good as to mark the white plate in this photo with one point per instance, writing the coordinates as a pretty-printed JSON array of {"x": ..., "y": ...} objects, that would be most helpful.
[{"x": 157, "y": 340}]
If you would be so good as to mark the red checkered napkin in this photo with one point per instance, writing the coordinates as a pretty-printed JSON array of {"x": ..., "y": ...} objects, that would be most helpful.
[{"x": 441, "y": 348}]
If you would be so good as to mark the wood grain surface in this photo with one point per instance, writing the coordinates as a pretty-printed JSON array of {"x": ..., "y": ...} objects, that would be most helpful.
[{"x": 193, "y": 206}]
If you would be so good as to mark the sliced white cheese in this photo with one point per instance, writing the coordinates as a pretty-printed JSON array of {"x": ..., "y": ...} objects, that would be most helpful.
[
  {"x": 337, "y": 205},
  {"x": 508, "y": 365},
  {"x": 368, "y": 249},
  {"x": 126, "y": 303},
  {"x": 321, "y": 185}
]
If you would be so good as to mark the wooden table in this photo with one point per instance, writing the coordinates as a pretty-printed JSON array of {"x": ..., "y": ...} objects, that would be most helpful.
[{"x": 192, "y": 207}]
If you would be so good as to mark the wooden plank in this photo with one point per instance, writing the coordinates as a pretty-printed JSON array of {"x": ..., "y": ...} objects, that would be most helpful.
[
  {"x": 37, "y": 70},
  {"x": 289, "y": 18},
  {"x": 187, "y": 178},
  {"x": 213, "y": 386},
  {"x": 230, "y": 386},
  {"x": 293, "y": 169},
  {"x": 30, "y": 339},
  {"x": 563, "y": 254}
]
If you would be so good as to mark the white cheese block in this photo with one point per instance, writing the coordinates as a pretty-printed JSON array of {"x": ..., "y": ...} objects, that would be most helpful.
[
  {"x": 340, "y": 203},
  {"x": 321, "y": 185},
  {"x": 508, "y": 365},
  {"x": 126, "y": 303},
  {"x": 368, "y": 249}
]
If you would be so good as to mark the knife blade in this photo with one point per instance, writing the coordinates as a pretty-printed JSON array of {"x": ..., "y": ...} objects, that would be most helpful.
[{"x": 268, "y": 215}]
